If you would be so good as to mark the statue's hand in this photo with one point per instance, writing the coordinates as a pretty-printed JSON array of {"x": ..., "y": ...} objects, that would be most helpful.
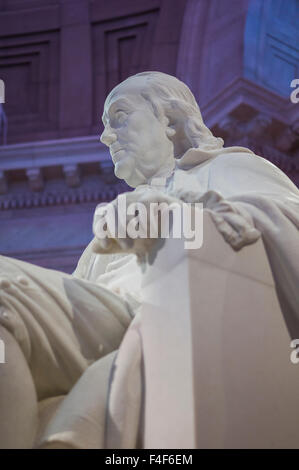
[
  {"x": 129, "y": 223},
  {"x": 232, "y": 220}
]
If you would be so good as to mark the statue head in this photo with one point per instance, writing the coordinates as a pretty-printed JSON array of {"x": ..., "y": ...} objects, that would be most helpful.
[{"x": 151, "y": 119}]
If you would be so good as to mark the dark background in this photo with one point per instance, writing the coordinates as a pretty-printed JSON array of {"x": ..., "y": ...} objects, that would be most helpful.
[{"x": 60, "y": 58}]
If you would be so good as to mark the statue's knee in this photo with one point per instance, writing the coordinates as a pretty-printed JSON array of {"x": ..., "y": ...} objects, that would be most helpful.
[{"x": 18, "y": 401}]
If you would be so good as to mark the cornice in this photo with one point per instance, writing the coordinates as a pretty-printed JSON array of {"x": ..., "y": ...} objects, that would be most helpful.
[
  {"x": 52, "y": 153},
  {"x": 75, "y": 182},
  {"x": 91, "y": 190},
  {"x": 243, "y": 92}
]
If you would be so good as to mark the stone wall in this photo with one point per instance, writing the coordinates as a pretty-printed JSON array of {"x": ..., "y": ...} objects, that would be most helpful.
[{"x": 60, "y": 58}]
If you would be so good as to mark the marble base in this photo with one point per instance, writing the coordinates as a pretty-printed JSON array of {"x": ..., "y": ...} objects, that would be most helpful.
[{"x": 216, "y": 350}]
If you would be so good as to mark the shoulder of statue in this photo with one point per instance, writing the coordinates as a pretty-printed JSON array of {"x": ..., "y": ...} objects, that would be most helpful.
[{"x": 242, "y": 162}]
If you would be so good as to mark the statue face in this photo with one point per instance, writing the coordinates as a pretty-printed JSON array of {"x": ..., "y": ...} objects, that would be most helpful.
[{"x": 137, "y": 139}]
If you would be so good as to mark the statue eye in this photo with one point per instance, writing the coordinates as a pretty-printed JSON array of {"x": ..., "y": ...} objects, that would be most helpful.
[
  {"x": 118, "y": 118},
  {"x": 120, "y": 113}
]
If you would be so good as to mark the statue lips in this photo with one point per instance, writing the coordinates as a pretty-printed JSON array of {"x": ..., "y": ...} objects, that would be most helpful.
[{"x": 113, "y": 153}]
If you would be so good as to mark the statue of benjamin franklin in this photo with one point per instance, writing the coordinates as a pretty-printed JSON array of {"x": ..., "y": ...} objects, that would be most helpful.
[{"x": 62, "y": 332}]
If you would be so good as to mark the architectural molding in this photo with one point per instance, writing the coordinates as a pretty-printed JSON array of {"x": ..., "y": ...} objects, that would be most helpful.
[
  {"x": 72, "y": 175},
  {"x": 75, "y": 182},
  {"x": 35, "y": 178},
  {"x": 244, "y": 94},
  {"x": 52, "y": 153}
]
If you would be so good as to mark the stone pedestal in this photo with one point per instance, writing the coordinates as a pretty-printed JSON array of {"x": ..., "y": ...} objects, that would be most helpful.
[{"x": 216, "y": 350}]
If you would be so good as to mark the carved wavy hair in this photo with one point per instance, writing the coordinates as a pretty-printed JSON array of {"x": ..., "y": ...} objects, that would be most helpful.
[{"x": 170, "y": 97}]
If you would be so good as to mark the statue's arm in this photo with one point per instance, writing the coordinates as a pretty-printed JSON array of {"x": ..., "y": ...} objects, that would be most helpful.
[
  {"x": 90, "y": 264},
  {"x": 84, "y": 261}
]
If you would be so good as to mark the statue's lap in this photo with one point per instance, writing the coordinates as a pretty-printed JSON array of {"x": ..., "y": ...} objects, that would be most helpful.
[{"x": 61, "y": 323}]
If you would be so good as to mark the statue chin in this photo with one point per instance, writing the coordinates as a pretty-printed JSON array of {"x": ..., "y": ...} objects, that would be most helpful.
[
  {"x": 122, "y": 170},
  {"x": 126, "y": 172}
]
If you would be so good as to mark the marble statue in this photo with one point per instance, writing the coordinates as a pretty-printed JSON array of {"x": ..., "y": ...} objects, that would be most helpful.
[{"x": 77, "y": 367}]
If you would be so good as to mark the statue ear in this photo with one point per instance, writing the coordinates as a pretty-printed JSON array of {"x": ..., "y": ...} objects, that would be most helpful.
[
  {"x": 170, "y": 128},
  {"x": 170, "y": 131}
]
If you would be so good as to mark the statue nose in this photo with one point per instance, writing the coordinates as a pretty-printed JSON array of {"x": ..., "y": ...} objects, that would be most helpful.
[{"x": 108, "y": 136}]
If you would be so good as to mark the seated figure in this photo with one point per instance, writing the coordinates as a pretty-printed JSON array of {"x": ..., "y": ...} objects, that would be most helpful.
[{"x": 63, "y": 331}]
